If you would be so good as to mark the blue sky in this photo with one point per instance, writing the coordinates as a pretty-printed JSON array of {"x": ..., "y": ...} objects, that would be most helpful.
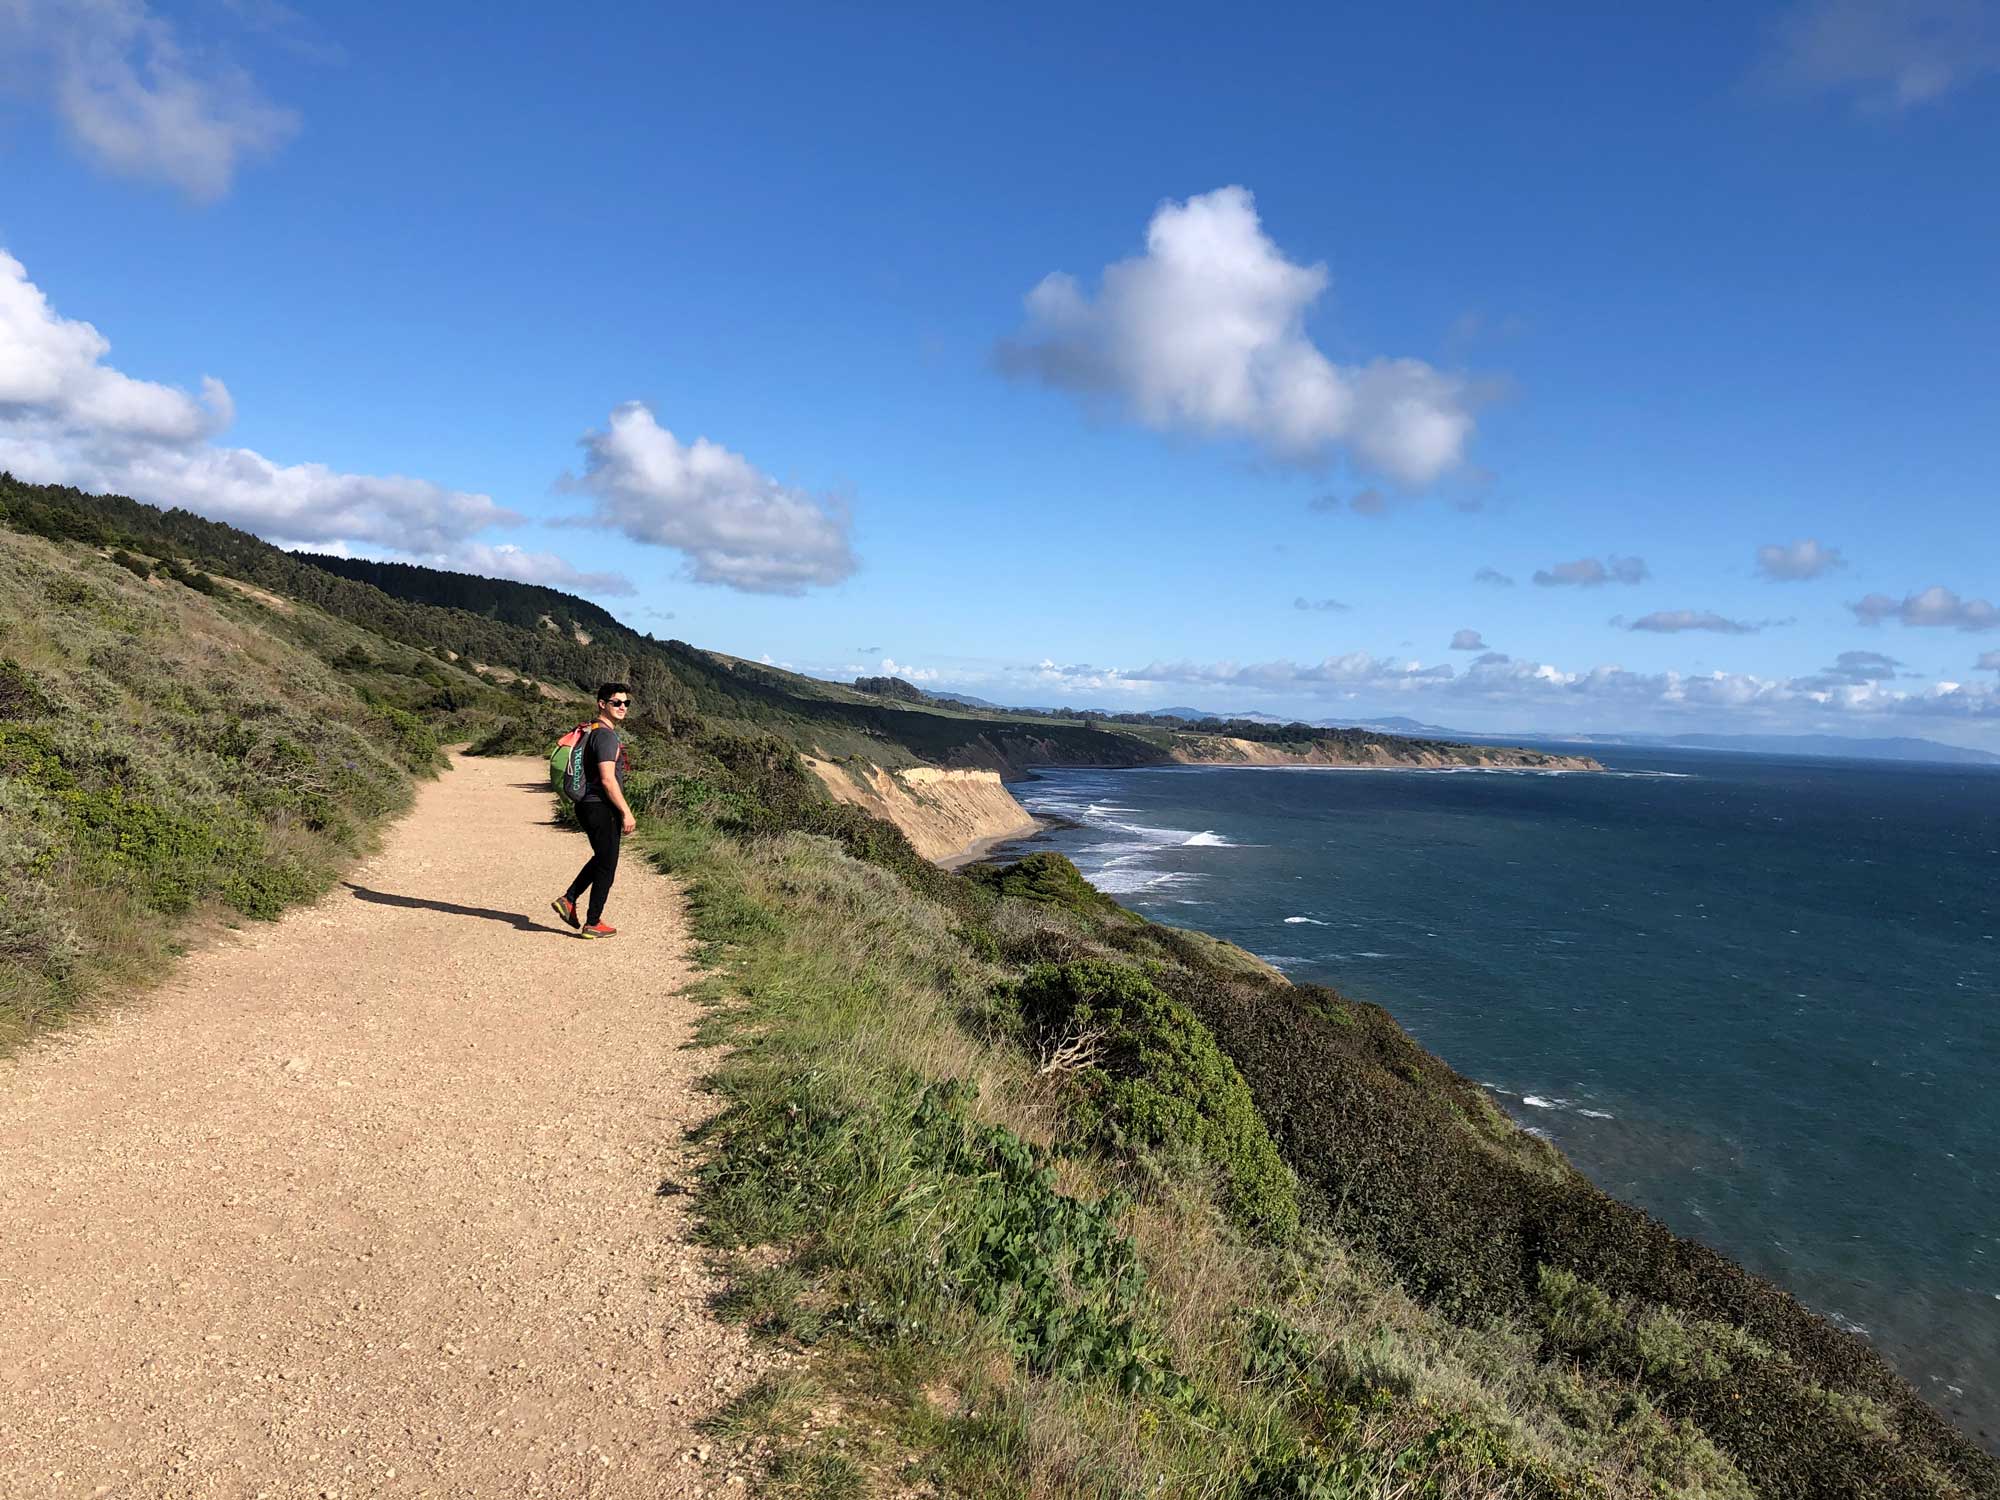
[{"x": 740, "y": 321}]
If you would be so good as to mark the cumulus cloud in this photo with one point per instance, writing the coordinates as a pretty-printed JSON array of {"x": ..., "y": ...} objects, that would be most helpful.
[
  {"x": 135, "y": 99},
  {"x": 1935, "y": 606},
  {"x": 1888, "y": 55},
  {"x": 893, "y": 668},
  {"x": 508, "y": 561},
  {"x": 1333, "y": 606},
  {"x": 1799, "y": 560},
  {"x": 1467, "y": 640},
  {"x": 1989, "y": 661},
  {"x": 52, "y": 374},
  {"x": 1205, "y": 332},
  {"x": 1673, "y": 621},
  {"x": 1589, "y": 573},
  {"x": 1493, "y": 576},
  {"x": 69, "y": 417},
  {"x": 737, "y": 526}
]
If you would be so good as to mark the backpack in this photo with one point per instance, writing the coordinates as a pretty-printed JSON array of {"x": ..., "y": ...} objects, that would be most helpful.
[{"x": 566, "y": 772}]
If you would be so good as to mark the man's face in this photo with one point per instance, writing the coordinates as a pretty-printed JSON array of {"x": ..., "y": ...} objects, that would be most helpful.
[{"x": 615, "y": 708}]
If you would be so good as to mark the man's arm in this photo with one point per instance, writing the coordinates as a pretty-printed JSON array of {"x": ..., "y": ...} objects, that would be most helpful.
[{"x": 615, "y": 794}]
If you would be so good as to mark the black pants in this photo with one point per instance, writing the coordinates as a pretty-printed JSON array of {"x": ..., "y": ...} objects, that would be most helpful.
[{"x": 606, "y": 827}]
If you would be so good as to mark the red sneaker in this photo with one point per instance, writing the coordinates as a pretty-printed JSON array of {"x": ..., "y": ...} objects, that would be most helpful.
[
  {"x": 598, "y": 929},
  {"x": 566, "y": 909}
]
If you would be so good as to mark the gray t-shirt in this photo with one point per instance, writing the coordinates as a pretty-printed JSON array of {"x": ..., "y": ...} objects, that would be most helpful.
[{"x": 603, "y": 745}]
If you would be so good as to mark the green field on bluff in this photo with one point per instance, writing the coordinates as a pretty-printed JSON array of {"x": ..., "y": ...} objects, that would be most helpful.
[{"x": 1050, "y": 1199}]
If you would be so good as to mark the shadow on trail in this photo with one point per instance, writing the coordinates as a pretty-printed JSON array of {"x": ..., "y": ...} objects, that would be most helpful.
[{"x": 513, "y": 919}]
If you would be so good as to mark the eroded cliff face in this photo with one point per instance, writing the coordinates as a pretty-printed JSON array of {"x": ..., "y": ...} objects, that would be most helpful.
[
  {"x": 1219, "y": 750},
  {"x": 942, "y": 813}
]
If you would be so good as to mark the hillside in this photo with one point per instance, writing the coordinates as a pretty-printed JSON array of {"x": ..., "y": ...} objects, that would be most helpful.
[{"x": 1041, "y": 1197}]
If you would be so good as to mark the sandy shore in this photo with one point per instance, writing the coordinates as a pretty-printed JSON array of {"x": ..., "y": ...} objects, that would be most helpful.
[{"x": 978, "y": 849}]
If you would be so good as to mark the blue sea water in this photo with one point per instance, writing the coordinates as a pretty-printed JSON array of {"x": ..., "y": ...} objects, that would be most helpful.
[{"x": 1758, "y": 997}]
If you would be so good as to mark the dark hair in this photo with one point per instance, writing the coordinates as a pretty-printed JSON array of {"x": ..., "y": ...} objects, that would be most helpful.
[{"x": 608, "y": 689}]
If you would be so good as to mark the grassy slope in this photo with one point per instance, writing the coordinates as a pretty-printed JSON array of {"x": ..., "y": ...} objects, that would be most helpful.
[
  {"x": 1423, "y": 1301},
  {"x": 174, "y": 753},
  {"x": 1063, "y": 1202}
]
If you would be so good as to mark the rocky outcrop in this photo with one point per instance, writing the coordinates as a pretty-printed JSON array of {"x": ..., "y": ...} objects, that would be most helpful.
[
  {"x": 945, "y": 814},
  {"x": 1221, "y": 750}
]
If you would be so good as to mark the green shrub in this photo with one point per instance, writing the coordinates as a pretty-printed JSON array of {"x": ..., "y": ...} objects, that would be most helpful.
[
  {"x": 1579, "y": 1318},
  {"x": 1047, "y": 879},
  {"x": 21, "y": 696},
  {"x": 1147, "y": 1073}
]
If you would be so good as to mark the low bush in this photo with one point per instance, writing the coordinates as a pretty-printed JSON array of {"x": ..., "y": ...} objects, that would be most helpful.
[{"x": 1142, "y": 1073}]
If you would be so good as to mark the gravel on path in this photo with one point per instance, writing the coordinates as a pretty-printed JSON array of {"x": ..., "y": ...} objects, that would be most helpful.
[{"x": 382, "y": 1199}]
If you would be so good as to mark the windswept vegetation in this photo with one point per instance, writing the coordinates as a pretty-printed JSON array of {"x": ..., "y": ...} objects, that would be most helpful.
[{"x": 1053, "y": 1200}]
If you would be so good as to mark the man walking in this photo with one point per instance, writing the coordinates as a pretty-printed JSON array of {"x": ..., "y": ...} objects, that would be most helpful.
[{"x": 602, "y": 810}]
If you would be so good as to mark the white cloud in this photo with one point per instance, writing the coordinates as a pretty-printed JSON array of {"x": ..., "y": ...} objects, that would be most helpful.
[
  {"x": 1889, "y": 55},
  {"x": 135, "y": 99},
  {"x": 1989, "y": 661},
  {"x": 52, "y": 373},
  {"x": 893, "y": 668},
  {"x": 1493, "y": 576},
  {"x": 508, "y": 561},
  {"x": 1800, "y": 560},
  {"x": 737, "y": 525},
  {"x": 1467, "y": 640},
  {"x": 1856, "y": 687},
  {"x": 1673, "y": 621},
  {"x": 1206, "y": 332},
  {"x": 1589, "y": 573},
  {"x": 68, "y": 417},
  {"x": 1323, "y": 606},
  {"x": 1935, "y": 606}
]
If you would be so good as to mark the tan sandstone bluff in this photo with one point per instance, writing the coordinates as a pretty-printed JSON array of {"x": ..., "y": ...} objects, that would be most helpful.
[
  {"x": 382, "y": 1199},
  {"x": 951, "y": 817}
]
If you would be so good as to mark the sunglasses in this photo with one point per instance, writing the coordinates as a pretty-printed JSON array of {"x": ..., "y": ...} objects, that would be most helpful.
[{"x": 619, "y": 702}]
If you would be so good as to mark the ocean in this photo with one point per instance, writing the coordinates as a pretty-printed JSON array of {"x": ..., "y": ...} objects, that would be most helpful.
[{"x": 1759, "y": 997}]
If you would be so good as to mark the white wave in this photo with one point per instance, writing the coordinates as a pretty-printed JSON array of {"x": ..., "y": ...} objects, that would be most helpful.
[
  {"x": 1365, "y": 954},
  {"x": 1153, "y": 835},
  {"x": 1210, "y": 839},
  {"x": 1597, "y": 1114},
  {"x": 1310, "y": 921},
  {"x": 1132, "y": 882},
  {"x": 1539, "y": 1102}
]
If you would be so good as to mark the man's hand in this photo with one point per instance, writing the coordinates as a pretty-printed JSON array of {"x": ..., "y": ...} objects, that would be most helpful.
[{"x": 631, "y": 824}]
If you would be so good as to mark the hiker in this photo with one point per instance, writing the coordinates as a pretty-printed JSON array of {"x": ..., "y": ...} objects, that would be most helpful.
[{"x": 602, "y": 810}]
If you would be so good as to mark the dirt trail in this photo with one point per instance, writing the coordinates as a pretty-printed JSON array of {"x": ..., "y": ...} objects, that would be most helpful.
[{"x": 369, "y": 1202}]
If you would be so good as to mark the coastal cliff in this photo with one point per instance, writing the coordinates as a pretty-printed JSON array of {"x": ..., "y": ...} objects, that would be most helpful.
[
  {"x": 1023, "y": 1161},
  {"x": 946, "y": 815},
  {"x": 1224, "y": 750},
  {"x": 1016, "y": 755}
]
